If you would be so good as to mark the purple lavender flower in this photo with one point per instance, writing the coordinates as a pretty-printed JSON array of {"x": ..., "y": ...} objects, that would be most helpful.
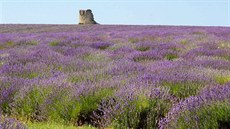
[
  {"x": 206, "y": 98},
  {"x": 9, "y": 123},
  {"x": 99, "y": 74}
]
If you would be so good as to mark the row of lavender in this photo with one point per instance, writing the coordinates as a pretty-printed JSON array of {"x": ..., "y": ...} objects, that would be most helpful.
[{"x": 116, "y": 76}]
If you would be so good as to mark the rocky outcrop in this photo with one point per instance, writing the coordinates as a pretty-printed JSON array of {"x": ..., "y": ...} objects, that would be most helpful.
[{"x": 86, "y": 17}]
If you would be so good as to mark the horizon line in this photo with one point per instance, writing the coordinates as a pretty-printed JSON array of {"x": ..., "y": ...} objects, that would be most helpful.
[{"x": 114, "y": 24}]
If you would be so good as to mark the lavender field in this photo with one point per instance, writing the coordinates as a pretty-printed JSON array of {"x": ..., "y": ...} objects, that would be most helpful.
[{"x": 111, "y": 76}]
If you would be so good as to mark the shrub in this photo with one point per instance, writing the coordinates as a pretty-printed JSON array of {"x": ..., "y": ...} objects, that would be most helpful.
[
  {"x": 185, "y": 89},
  {"x": 27, "y": 104},
  {"x": 215, "y": 116},
  {"x": 66, "y": 108},
  {"x": 54, "y": 43},
  {"x": 208, "y": 110},
  {"x": 10, "y": 123},
  {"x": 142, "y": 111}
]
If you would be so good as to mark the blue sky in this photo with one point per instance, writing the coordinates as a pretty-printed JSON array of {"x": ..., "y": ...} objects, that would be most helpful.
[{"x": 137, "y": 12}]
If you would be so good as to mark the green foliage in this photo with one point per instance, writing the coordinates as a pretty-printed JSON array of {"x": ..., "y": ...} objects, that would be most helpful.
[
  {"x": 142, "y": 112},
  {"x": 224, "y": 44},
  {"x": 55, "y": 67},
  {"x": 77, "y": 79},
  {"x": 60, "y": 106},
  {"x": 90, "y": 102},
  {"x": 54, "y": 43},
  {"x": 208, "y": 117},
  {"x": 143, "y": 48},
  {"x": 32, "y": 75},
  {"x": 222, "y": 79},
  {"x": 171, "y": 56},
  {"x": 98, "y": 57},
  {"x": 143, "y": 59},
  {"x": 32, "y": 43},
  {"x": 10, "y": 44},
  {"x": 184, "y": 41},
  {"x": 28, "y": 105},
  {"x": 54, "y": 125},
  {"x": 67, "y": 109},
  {"x": 49, "y": 126},
  {"x": 6, "y": 45},
  {"x": 183, "y": 90},
  {"x": 1, "y": 46},
  {"x": 134, "y": 40},
  {"x": 29, "y": 75},
  {"x": 116, "y": 46},
  {"x": 5, "y": 104},
  {"x": 5, "y": 107}
]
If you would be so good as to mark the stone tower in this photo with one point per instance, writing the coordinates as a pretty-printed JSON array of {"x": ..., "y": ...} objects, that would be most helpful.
[{"x": 86, "y": 17}]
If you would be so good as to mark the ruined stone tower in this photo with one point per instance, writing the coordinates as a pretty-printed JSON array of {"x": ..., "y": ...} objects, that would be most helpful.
[{"x": 86, "y": 17}]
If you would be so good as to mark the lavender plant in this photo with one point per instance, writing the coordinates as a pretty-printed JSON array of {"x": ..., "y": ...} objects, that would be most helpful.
[
  {"x": 112, "y": 76},
  {"x": 10, "y": 123},
  {"x": 210, "y": 109}
]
